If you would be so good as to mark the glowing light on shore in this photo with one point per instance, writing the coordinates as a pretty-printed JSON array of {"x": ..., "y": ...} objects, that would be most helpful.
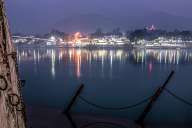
[{"x": 52, "y": 38}]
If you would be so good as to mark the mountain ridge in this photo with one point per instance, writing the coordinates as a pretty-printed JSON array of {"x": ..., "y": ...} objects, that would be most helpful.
[{"x": 90, "y": 22}]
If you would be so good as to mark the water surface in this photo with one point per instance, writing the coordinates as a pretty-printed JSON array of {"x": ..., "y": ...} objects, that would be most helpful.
[{"x": 112, "y": 78}]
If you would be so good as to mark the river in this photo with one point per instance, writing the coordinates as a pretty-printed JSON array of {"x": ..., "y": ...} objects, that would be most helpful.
[{"x": 112, "y": 78}]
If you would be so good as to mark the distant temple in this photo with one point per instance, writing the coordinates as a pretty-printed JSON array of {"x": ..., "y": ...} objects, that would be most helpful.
[
  {"x": 12, "y": 110},
  {"x": 151, "y": 28}
]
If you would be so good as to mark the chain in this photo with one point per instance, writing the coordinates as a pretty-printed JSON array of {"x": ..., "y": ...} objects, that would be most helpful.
[
  {"x": 117, "y": 108},
  {"x": 178, "y": 97},
  {"x": 3, "y": 82},
  {"x": 103, "y": 124}
]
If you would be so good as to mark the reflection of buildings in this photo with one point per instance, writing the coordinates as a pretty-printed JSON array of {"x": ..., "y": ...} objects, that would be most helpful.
[
  {"x": 173, "y": 56},
  {"x": 75, "y": 57},
  {"x": 78, "y": 58}
]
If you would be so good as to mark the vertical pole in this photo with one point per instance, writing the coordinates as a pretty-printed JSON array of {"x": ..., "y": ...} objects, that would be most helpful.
[
  {"x": 74, "y": 99},
  {"x": 73, "y": 124},
  {"x": 153, "y": 100},
  {"x": 67, "y": 110}
]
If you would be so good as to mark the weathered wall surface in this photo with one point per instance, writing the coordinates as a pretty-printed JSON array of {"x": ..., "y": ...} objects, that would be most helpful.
[{"x": 11, "y": 106}]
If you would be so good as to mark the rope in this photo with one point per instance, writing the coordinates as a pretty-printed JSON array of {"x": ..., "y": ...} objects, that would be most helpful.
[
  {"x": 178, "y": 98},
  {"x": 104, "y": 124},
  {"x": 114, "y": 109}
]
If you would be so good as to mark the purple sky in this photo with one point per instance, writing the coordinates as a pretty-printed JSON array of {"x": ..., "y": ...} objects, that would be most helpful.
[{"x": 29, "y": 14}]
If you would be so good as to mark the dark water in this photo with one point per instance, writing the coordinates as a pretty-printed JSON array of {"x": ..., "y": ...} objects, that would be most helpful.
[{"x": 112, "y": 78}]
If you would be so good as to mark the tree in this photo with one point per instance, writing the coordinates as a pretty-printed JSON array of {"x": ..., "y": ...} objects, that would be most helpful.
[
  {"x": 98, "y": 33},
  {"x": 117, "y": 32}
]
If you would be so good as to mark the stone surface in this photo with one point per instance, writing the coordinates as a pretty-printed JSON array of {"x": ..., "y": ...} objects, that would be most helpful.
[{"x": 11, "y": 105}]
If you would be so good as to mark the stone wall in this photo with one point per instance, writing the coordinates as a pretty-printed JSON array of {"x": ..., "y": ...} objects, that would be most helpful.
[{"x": 12, "y": 110}]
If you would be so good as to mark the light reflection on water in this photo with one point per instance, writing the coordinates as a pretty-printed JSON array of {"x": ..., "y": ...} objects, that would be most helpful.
[
  {"x": 112, "y": 77},
  {"x": 163, "y": 56},
  {"x": 76, "y": 56},
  {"x": 147, "y": 57}
]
